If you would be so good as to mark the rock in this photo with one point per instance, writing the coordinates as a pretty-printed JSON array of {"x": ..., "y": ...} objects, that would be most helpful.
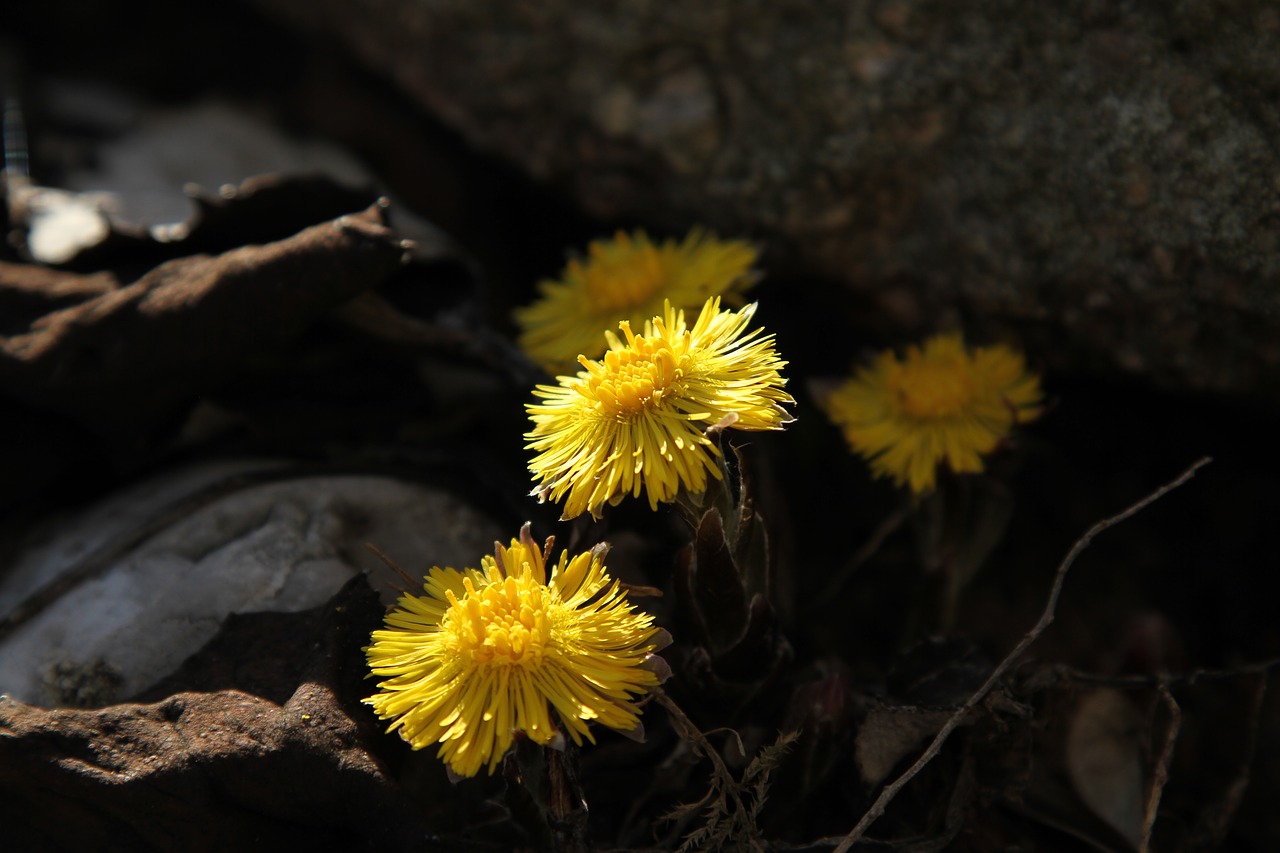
[
  {"x": 105, "y": 605},
  {"x": 1099, "y": 179},
  {"x": 211, "y": 144},
  {"x": 265, "y": 745}
]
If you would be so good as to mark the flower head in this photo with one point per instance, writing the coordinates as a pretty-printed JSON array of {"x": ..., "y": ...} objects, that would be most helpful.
[
  {"x": 638, "y": 418},
  {"x": 480, "y": 656},
  {"x": 940, "y": 403},
  {"x": 628, "y": 278}
]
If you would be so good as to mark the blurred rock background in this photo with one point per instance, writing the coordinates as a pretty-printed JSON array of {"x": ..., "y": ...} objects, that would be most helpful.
[{"x": 1098, "y": 178}]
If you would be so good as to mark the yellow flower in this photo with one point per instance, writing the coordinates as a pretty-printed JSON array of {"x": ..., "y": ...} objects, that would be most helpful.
[
  {"x": 638, "y": 418},
  {"x": 628, "y": 278},
  {"x": 480, "y": 655},
  {"x": 942, "y": 403}
]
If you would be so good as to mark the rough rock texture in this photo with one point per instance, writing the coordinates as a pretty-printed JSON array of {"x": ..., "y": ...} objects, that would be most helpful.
[
  {"x": 261, "y": 743},
  {"x": 1099, "y": 177}
]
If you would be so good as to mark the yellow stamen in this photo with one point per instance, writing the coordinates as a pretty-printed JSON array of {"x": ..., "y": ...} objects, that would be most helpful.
[
  {"x": 630, "y": 381},
  {"x": 929, "y": 389},
  {"x": 502, "y": 624},
  {"x": 623, "y": 277}
]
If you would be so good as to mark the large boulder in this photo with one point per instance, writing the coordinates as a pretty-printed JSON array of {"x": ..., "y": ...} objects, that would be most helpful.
[{"x": 1099, "y": 178}]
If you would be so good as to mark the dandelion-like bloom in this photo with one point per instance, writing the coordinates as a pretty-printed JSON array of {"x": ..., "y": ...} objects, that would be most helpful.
[
  {"x": 628, "y": 278},
  {"x": 941, "y": 403},
  {"x": 480, "y": 655},
  {"x": 638, "y": 418}
]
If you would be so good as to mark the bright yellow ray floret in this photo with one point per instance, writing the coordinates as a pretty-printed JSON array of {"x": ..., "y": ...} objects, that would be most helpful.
[
  {"x": 485, "y": 653},
  {"x": 941, "y": 403},
  {"x": 628, "y": 278},
  {"x": 637, "y": 419}
]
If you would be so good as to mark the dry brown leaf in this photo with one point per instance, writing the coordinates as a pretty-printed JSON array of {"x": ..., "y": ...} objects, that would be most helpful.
[{"x": 1104, "y": 760}]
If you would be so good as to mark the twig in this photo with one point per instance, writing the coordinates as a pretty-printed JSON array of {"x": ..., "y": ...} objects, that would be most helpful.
[
  {"x": 394, "y": 566},
  {"x": 1046, "y": 619},
  {"x": 723, "y": 781},
  {"x": 1162, "y": 767},
  {"x": 691, "y": 732},
  {"x": 1182, "y": 679}
]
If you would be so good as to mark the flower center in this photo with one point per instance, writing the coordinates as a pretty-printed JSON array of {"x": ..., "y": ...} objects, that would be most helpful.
[
  {"x": 625, "y": 282},
  {"x": 505, "y": 623},
  {"x": 630, "y": 380},
  {"x": 932, "y": 389}
]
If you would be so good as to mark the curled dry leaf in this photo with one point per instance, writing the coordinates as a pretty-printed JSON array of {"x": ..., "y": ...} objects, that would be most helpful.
[
  {"x": 128, "y": 356},
  {"x": 891, "y": 733}
]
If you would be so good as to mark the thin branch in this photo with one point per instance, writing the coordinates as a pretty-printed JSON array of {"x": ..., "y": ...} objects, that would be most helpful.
[
  {"x": 689, "y": 730},
  {"x": 1161, "y": 776},
  {"x": 1046, "y": 618},
  {"x": 394, "y": 566},
  {"x": 1182, "y": 679}
]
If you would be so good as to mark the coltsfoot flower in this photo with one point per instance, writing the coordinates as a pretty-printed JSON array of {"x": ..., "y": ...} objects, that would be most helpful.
[
  {"x": 637, "y": 419},
  {"x": 480, "y": 656},
  {"x": 628, "y": 278},
  {"x": 941, "y": 403}
]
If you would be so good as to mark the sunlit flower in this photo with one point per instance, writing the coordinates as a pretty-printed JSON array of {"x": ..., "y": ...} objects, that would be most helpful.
[
  {"x": 941, "y": 403},
  {"x": 628, "y": 278},
  {"x": 638, "y": 418},
  {"x": 480, "y": 656}
]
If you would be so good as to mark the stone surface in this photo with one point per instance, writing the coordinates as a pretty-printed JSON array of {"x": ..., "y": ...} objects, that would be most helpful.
[
  {"x": 1097, "y": 178},
  {"x": 102, "y": 606},
  {"x": 262, "y": 745},
  {"x": 213, "y": 145}
]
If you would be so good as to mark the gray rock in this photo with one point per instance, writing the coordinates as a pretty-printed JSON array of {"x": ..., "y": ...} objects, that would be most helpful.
[
  {"x": 112, "y": 601},
  {"x": 1100, "y": 178}
]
